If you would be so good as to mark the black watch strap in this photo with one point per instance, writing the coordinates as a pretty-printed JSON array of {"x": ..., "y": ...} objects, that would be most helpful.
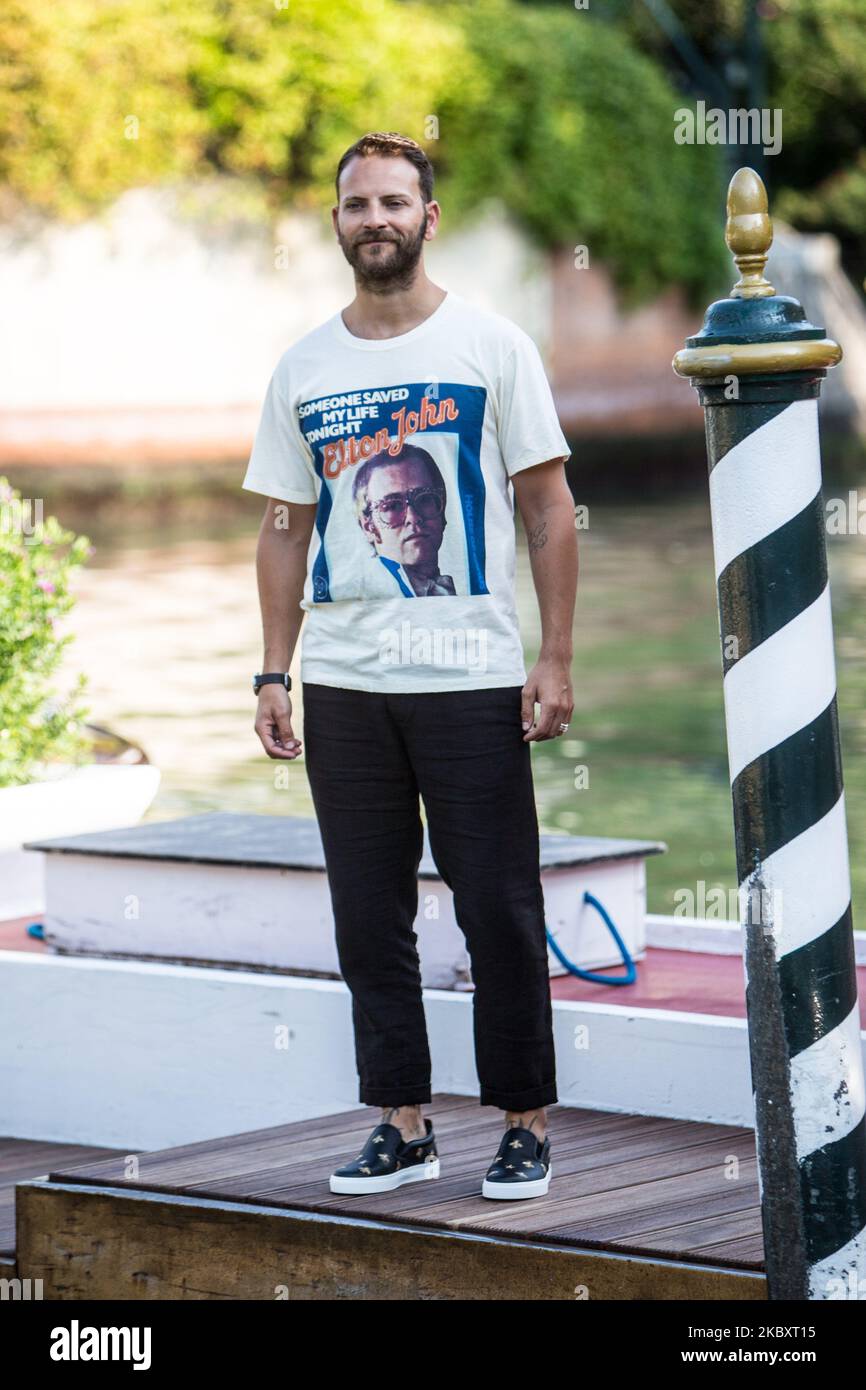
[{"x": 272, "y": 678}]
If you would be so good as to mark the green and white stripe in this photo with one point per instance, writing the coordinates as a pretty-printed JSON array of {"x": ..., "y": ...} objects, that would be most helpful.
[{"x": 791, "y": 842}]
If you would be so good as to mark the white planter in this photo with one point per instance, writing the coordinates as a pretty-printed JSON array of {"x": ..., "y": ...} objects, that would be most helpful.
[
  {"x": 245, "y": 890},
  {"x": 101, "y": 796}
]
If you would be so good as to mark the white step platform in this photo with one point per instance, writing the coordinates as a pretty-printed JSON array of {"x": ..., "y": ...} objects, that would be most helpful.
[
  {"x": 74, "y": 801},
  {"x": 248, "y": 891}
]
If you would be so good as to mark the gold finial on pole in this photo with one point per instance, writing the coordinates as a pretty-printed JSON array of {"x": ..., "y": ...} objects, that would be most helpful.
[
  {"x": 774, "y": 338},
  {"x": 749, "y": 234}
]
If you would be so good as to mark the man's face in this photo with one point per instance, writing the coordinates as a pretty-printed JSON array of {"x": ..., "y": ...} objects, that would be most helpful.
[
  {"x": 417, "y": 540},
  {"x": 381, "y": 222}
]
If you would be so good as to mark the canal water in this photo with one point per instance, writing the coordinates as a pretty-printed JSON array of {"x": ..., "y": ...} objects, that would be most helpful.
[{"x": 166, "y": 628}]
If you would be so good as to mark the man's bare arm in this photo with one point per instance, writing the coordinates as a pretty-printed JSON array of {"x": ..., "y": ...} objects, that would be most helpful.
[
  {"x": 281, "y": 569},
  {"x": 546, "y": 505}
]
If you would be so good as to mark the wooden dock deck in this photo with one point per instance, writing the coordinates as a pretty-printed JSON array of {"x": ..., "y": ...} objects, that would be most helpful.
[
  {"x": 638, "y": 1208},
  {"x": 23, "y": 1159}
]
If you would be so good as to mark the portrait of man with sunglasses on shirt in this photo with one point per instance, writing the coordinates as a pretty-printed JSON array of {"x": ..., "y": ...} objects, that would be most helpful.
[{"x": 400, "y": 504}]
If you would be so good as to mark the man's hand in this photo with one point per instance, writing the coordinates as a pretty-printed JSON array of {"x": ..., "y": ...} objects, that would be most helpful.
[
  {"x": 274, "y": 723},
  {"x": 548, "y": 684}
]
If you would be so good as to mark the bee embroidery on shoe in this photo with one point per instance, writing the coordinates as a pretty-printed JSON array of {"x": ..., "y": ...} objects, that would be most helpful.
[
  {"x": 379, "y": 1139},
  {"x": 367, "y": 1171},
  {"x": 527, "y": 1163},
  {"x": 515, "y": 1144},
  {"x": 384, "y": 1158}
]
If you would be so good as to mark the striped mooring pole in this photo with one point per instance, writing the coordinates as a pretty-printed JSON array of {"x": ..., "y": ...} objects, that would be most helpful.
[{"x": 757, "y": 365}]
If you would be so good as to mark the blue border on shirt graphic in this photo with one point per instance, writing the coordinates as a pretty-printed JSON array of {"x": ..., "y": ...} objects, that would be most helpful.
[{"x": 470, "y": 402}]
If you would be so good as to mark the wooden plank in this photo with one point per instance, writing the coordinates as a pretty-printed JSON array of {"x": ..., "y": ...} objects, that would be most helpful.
[
  {"x": 31, "y": 1158},
  {"x": 296, "y": 1166},
  {"x": 655, "y": 1215},
  {"x": 290, "y": 1151},
  {"x": 458, "y": 1195},
  {"x": 88, "y": 1242},
  {"x": 704, "y": 1235},
  {"x": 749, "y": 1250},
  {"x": 341, "y": 1128},
  {"x": 683, "y": 1198},
  {"x": 627, "y": 1183},
  {"x": 333, "y": 1137}
]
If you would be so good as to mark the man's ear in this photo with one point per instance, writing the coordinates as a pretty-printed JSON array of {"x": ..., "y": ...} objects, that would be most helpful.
[{"x": 432, "y": 219}]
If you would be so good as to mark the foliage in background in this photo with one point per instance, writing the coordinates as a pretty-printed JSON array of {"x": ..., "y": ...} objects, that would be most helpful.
[
  {"x": 574, "y": 128},
  {"x": 814, "y": 71},
  {"x": 37, "y": 560},
  {"x": 552, "y": 110},
  {"x": 70, "y": 76},
  {"x": 819, "y": 65}
]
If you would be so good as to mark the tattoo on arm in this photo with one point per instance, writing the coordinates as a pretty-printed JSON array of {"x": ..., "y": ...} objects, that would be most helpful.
[{"x": 538, "y": 536}]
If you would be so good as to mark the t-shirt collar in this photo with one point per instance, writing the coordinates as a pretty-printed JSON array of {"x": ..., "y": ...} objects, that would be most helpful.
[{"x": 402, "y": 339}]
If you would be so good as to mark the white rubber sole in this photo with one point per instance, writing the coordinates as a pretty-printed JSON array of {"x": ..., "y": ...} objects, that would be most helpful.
[
  {"x": 515, "y": 1191},
  {"x": 419, "y": 1172}
]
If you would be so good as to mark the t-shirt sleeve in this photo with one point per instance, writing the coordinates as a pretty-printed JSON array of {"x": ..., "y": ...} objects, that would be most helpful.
[
  {"x": 280, "y": 463},
  {"x": 529, "y": 428}
]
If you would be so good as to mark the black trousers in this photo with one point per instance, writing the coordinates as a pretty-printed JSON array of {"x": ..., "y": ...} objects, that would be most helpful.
[{"x": 368, "y": 756}]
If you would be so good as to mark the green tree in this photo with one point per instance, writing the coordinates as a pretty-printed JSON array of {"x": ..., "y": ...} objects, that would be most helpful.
[
  {"x": 813, "y": 53},
  {"x": 95, "y": 99},
  {"x": 553, "y": 111},
  {"x": 574, "y": 128}
]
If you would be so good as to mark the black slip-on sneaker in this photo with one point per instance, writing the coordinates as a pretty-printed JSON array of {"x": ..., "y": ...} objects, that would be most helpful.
[
  {"x": 521, "y": 1167},
  {"x": 388, "y": 1160}
]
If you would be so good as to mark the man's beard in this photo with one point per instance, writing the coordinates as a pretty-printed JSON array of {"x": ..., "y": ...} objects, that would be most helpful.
[{"x": 391, "y": 269}]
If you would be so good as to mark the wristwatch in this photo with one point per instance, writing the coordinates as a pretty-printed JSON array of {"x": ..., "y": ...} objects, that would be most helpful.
[{"x": 272, "y": 678}]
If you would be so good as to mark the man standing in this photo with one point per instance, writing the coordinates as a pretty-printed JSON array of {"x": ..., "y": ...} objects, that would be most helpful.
[{"x": 408, "y": 409}]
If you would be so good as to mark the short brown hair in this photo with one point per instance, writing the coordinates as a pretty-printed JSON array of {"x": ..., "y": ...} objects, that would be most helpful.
[{"x": 389, "y": 143}]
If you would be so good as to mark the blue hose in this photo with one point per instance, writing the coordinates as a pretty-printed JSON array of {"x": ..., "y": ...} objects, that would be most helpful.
[{"x": 630, "y": 972}]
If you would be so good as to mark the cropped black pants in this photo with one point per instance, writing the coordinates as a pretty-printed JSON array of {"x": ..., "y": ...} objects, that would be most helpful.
[{"x": 368, "y": 757}]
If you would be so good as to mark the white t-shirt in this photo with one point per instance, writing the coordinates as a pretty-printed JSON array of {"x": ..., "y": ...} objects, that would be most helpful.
[{"x": 407, "y": 445}]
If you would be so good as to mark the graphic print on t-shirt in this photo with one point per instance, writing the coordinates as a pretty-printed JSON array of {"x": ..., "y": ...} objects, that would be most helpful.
[{"x": 401, "y": 507}]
